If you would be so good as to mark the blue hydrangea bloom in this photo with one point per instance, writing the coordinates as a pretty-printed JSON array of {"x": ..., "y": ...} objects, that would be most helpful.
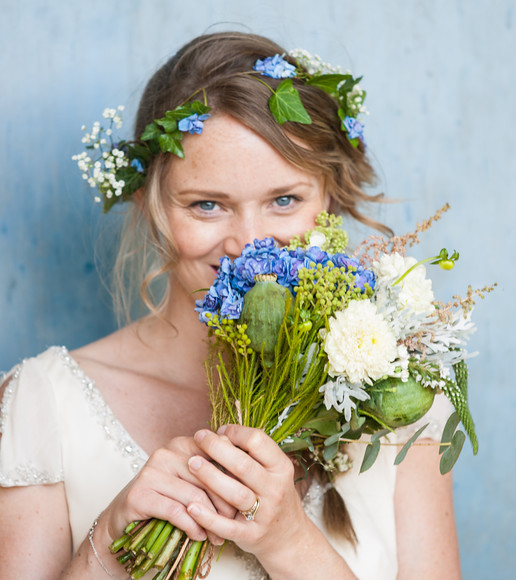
[
  {"x": 275, "y": 67},
  {"x": 138, "y": 165},
  {"x": 226, "y": 296},
  {"x": 354, "y": 128},
  {"x": 193, "y": 124}
]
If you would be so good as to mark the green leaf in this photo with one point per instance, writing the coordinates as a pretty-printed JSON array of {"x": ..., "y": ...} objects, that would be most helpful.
[
  {"x": 380, "y": 433},
  {"x": 333, "y": 439},
  {"x": 169, "y": 125},
  {"x": 401, "y": 455},
  {"x": 322, "y": 426},
  {"x": 356, "y": 422},
  {"x": 152, "y": 131},
  {"x": 286, "y": 105},
  {"x": 448, "y": 431},
  {"x": 297, "y": 444},
  {"x": 329, "y": 82},
  {"x": 370, "y": 455},
  {"x": 452, "y": 453},
  {"x": 331, "y": 451},
  {"x": 171, "y": 144}
]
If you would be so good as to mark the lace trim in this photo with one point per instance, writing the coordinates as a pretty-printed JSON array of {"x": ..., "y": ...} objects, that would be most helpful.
[
  {"x": 23, "y": 474},
  {"x": 29, "y": 475},
  {"x": 113, "y": 429}
]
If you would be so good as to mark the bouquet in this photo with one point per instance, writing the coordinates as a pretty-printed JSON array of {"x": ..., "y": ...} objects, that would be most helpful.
[{"x": 319, "y": 348}]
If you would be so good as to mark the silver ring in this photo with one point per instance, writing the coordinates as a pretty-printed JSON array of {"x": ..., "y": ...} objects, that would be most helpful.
[{"x": 250, "y": 513}]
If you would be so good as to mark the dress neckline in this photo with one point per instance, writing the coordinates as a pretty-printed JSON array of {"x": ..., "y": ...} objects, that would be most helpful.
[{"x": 113, "y": 429}]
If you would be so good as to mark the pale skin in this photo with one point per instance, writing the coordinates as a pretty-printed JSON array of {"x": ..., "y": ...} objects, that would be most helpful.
[{"x": 241, "y": 190}]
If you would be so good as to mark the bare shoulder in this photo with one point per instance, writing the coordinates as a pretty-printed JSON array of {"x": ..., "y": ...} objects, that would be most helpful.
[
  {"x": 425, "y": 520},
  {"x": 34, "y": 532}
]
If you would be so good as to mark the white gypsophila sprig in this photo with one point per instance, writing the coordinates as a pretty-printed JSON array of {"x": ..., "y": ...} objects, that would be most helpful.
[
  {"x": 101, "y": 171},
  {"x": 339, "y": 394},
  {"x": 314, "y": 65}
]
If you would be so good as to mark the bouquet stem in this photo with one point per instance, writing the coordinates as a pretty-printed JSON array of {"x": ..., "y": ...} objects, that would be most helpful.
[{"x": 158, "y": 544}]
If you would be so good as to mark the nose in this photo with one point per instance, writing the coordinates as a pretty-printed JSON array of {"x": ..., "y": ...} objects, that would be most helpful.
[{"x": 242, "y": 231}]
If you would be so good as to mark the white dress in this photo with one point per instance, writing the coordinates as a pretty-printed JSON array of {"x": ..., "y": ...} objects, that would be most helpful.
[{"x": 57, "y": 427}]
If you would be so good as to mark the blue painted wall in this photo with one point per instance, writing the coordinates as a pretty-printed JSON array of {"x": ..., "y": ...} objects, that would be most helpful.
[{"x": 441, "y": 82}]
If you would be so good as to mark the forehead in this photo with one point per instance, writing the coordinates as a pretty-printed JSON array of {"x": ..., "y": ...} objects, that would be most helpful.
[{"x": 229, "y": 154}]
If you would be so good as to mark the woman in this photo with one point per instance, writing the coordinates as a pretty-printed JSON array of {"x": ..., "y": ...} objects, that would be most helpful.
[{"x": 119, "y": 427}]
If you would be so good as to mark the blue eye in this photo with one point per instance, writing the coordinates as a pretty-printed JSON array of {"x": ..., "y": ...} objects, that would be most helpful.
[
  {"x": 207, "y": 205},
  {"x": 284, "y": 200}
]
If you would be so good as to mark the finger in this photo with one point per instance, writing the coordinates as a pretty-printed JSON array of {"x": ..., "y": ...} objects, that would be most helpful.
[
  {"x": 254, "y": 441},
  {"x": 230, "y": 529},
  {"x": 237, "y": 462},
  {"x": 232, "y": 491}
]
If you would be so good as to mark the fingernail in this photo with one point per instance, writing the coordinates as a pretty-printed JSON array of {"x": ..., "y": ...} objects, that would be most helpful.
[
  {"x": 194, "y": 510},
  {"x": 199, "y": 436},
  {"x": 194, "y": 463},
  {"x": 222, "y": 429}
]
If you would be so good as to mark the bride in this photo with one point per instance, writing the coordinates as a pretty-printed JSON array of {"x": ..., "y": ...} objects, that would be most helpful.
[{"x": 116, "y": 431}]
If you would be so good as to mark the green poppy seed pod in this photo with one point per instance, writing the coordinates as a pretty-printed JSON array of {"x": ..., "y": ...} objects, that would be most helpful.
[
  {"x": 263, "y": 312},
  {"x": 397, "y": 403}
]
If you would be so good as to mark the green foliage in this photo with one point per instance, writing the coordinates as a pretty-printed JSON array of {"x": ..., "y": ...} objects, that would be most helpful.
[
  {"x": 452, "y": 442},
  {"x": 458, "y": 395},
  {"x": 330, "y": 225},
  {"x": 286, "y": 105},
  {"x": 164, "y": 131},
  {"x": 404, "y": 450}
]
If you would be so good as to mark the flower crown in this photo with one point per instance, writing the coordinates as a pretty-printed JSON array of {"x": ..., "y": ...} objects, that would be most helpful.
[{"x": 120, "y": 167}]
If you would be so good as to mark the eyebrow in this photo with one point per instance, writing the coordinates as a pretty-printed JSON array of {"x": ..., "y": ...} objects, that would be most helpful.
[{"x": 277, "y": 191}]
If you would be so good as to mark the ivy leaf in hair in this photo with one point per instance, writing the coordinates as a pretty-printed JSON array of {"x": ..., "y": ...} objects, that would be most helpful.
[{"x": 285, "y": 104}]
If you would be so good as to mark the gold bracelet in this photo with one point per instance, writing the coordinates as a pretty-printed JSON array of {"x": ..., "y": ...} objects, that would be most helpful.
[{"x": 101, "y": 563}]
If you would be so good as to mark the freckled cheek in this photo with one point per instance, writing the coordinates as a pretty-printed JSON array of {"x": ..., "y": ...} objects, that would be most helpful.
[{"x": 192, "y": 244}]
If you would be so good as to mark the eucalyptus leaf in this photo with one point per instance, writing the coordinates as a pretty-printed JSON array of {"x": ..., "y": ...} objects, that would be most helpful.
[
  {"x": 322, "y": 426},
  {"x": 370, "y": 455},
  {"x": 297, "y": 444},
  {"x": 333, "y": 439},
  {"x": 448, "y": 431},
  {"x": 452, "y": 453},
  {"x": 401, "y": 455},
  {"x": 380, "y": 433},
  {"x": 331, "y": 451},
  {"x": 286, "y": 105}
]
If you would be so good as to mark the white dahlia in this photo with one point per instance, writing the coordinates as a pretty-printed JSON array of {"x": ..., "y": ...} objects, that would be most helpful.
[{"x": 360, "y": 343}]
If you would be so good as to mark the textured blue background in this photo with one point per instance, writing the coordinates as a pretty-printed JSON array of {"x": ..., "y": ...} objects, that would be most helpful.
[{"x": 441, "y": 80}]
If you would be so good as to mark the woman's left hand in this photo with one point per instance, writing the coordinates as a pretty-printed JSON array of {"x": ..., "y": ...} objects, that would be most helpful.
[{"x": 255, "y": 468}]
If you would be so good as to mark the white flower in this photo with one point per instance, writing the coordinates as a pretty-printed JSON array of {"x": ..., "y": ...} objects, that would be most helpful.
[
  {"x": 415, "y": 290},
  {"x": 360, "y": 344},
  {"x": 316, "y": 239},
  {"x": 338, "y": 393}
]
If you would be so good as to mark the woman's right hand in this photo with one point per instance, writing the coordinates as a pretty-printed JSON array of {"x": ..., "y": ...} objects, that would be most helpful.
[{"x": 163, "y": 489}]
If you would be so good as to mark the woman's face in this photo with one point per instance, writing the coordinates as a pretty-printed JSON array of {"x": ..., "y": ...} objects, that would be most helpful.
[{"x": 231, "y": 188}]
